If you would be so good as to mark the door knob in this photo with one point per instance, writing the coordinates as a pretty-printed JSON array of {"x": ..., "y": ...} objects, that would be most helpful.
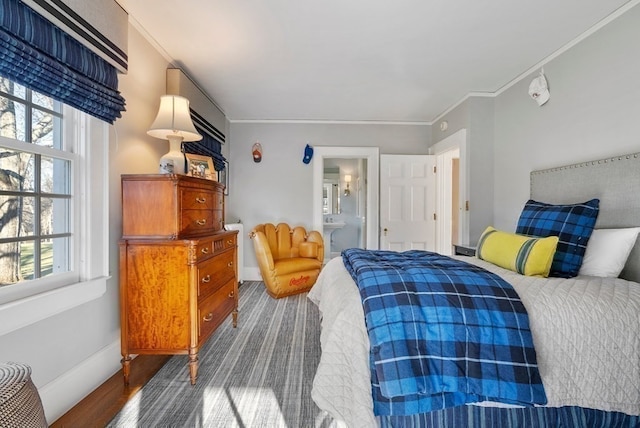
[{"x": 385, "y": 230}]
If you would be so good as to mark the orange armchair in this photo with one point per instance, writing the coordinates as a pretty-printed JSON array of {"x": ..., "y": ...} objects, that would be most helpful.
[{"x": 289, "y": 259}]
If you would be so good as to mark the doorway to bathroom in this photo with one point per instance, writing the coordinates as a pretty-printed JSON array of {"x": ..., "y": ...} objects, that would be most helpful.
[{"x": 345, "y": 195}]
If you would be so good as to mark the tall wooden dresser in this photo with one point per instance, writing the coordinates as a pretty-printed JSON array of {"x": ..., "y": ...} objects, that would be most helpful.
[{"x": 178, "y": 266}]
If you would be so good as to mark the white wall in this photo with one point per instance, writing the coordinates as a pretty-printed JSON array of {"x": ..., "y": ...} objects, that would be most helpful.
[
  {"x": 279, "y": 188},
  {"x": 72, "y": 353},
  {"x": 475, "y": 115},
  {"x": 593, "y": 113}
]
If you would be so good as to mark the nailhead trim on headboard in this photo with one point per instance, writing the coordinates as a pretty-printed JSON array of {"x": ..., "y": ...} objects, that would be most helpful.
[{"x": 615, "y": 181}]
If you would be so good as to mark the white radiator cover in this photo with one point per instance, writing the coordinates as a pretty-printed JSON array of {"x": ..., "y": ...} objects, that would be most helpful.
[{"x": 240, "y": 228}]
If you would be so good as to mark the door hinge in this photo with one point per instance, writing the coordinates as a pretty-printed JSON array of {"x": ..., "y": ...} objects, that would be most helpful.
[
  {"x": 435, "y": 169},
  {"x": 466, "y": 205},
  {"x": 434, "y": 216}
]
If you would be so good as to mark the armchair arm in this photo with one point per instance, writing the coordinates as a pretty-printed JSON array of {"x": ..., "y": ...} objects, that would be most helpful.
[
  {"x": 308, "y": 249},
  {"x": 315, "y": 236},
  {"x": 262, "y": 250}
]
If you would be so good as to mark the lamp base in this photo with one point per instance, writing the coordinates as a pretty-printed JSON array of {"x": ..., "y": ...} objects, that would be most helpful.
[{"x": 173, "y": 162}]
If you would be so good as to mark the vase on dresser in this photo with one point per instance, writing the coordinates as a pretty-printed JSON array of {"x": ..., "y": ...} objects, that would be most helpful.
[{"x": 178, "y": 266}]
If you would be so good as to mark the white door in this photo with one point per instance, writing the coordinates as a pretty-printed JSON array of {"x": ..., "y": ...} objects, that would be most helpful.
[{"x": 407, "y": 202}]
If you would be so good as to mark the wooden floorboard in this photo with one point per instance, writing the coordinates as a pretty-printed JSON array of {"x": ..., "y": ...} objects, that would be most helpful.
[{"x": 99, "y": 407}]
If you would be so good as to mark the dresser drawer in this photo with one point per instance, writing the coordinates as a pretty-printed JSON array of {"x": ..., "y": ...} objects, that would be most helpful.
[
  {"x": 213, "y": 310},
  {"x": 198, "y": 199},
  {"x": 196, "y": 221},
  {"x": 214, "y": 273},
  {"x": 204, "y": 249},
  {"x": 230, "y": 242},
  {"x": 218, "y": 201},
  {"x": 224, "y": 243}
]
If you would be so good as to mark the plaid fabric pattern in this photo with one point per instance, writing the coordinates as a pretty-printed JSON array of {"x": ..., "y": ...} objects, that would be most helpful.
[
  {"x": 572, "y": 224},
  {"x": 442, "y": 332}
]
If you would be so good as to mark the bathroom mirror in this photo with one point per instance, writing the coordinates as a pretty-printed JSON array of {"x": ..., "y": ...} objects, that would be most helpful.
[{"x": 331, "y": 192}]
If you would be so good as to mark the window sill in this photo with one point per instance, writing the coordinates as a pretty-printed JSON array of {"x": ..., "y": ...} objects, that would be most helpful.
[{"x": 21, "y": 313}]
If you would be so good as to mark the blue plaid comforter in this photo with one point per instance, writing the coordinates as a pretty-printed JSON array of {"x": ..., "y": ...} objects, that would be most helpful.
[{"x": 443, "y": 333}]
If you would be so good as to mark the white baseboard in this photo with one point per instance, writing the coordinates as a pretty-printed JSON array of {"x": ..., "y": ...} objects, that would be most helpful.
[{"x": 64, "y": 392}]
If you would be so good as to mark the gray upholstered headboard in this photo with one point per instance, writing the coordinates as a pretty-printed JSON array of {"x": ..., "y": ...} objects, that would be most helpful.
[{"x": 615, "y": 181}]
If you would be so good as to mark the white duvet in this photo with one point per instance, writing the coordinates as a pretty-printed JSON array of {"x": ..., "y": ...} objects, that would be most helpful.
[{"x": 586, "y": 332}]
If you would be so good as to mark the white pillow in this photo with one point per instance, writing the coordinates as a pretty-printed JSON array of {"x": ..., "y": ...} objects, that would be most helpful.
[{"x": 607, "y": 251}]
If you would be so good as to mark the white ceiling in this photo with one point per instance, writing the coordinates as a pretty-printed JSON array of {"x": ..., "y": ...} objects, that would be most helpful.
[{"x": 358, "y": 60}]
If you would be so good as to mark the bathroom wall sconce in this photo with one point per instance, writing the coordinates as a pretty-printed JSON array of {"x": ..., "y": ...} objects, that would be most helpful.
[{"x": 347, "y": 179}]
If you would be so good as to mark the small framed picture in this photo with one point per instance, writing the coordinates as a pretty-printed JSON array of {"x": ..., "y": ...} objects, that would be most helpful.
[
  {"x": 223, "y": 177},
  {"x": 200, "y": 166}
]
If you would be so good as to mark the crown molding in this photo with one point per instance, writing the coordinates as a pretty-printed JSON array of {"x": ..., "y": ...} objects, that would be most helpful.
[
  {"x": 153, "y": 42},
  {"x": 330, "y": 122},
  {"x": 599, "y": 25}
]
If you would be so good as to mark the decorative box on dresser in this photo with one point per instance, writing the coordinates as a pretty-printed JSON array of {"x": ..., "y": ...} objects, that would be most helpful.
[{"x": 178, "y": 266}]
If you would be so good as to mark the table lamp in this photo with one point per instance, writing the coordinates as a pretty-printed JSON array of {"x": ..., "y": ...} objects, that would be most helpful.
[{"x": 173, "y": 123}]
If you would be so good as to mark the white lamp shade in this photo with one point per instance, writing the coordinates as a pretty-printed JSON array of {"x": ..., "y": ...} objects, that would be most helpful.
[
  {"x": 347, "y": 178},
  {"x": 174, "y": 119}
]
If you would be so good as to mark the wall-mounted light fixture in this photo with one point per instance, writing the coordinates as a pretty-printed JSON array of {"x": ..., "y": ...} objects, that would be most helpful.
[
  {"x": 539, "y": 89},
  {"x": 347, "y": 179}
]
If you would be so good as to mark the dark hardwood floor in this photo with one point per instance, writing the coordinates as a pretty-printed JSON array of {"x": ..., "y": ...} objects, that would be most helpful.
[{"x": 99, "y": 407}]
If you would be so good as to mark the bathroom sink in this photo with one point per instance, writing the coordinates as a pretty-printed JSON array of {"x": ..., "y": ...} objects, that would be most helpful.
[{"x": 330, "y": 227}]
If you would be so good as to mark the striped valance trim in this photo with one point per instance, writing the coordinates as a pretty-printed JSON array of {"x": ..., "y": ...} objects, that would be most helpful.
[
  {"x": 208, "y": 146},
  {"x": 206, "y": 126},
  {"x": 70, "y": 18},
  {"x": 40, "y": 56}
]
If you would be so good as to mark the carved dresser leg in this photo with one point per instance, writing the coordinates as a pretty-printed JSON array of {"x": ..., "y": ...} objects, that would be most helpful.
[{"x": 126, "y": 365}]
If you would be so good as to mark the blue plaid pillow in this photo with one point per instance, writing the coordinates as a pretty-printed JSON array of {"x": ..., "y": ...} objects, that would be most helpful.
[{"x": 572, "y": 224}]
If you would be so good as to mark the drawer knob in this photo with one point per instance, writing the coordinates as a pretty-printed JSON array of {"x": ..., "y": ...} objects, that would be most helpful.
[
  {"x": 230, "y": 264},
  {"x": 201, "y": 200},
  {"x": 201, "y": 222},
  {"x": 231, "y": 294},
  {"x": 230, "y": 242},
  {"x": 205, "y": 250},
  {"x": 206, "y": 279},
  {"x": 208, "y": 317}
]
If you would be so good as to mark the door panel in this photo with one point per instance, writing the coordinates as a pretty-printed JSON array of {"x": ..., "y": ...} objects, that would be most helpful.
[{"x": 407, "y": 202}]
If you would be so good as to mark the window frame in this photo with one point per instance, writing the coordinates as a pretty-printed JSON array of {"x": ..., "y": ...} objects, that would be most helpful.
[{"x": 30, "y": 301}]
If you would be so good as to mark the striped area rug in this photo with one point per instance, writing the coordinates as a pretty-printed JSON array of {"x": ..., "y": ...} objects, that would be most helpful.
[{"x": 256, "y": 375}]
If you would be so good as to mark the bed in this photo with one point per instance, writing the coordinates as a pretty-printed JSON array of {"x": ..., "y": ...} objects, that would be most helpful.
[{"x": 586, "y": 329}]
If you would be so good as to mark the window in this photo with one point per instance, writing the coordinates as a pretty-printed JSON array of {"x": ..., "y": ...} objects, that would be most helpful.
[
  {"x": 53, "y": 199},
  {"x": 35, "y": 187}
]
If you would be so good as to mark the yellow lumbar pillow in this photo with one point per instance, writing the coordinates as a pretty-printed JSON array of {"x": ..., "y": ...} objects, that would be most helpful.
[{"x": 523, "y": 254}]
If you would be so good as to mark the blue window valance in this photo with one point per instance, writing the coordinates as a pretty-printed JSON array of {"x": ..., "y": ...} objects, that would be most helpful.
[
  {"x": 211, "y": 143},
  {"x": 42, "y": 57}
]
